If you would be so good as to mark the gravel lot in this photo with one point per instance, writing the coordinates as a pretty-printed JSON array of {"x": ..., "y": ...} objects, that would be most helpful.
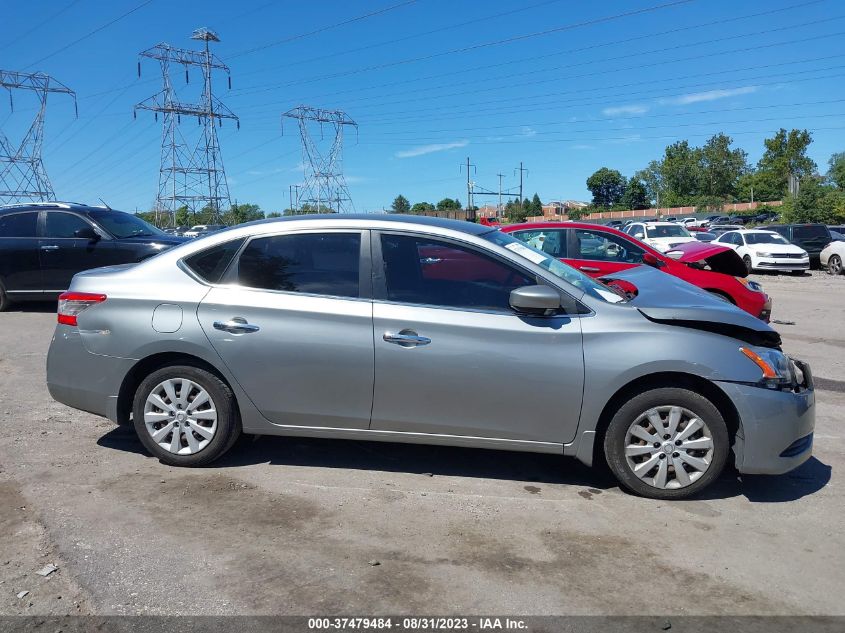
[{"x": 294, "y": 526}]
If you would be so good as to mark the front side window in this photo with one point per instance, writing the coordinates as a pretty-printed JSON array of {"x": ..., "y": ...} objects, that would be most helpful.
[
  {"x": 606, "y": 247},
  {"x": 764, "y": 238},
  {"x": 810, "y": 232},
  {"x": 123, "y": 225},
  {"x": 430, "y": 272},
  {"x": 64, "y": 225},
  {"x": 19, "y": 224},
  {"x": 551, "y": 241},
  {"x": 312, "y": 263}
]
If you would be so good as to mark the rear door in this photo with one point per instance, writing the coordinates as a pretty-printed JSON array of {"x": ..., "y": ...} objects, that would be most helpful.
[
  {"x": 295, "y": 327},
  {"x": 20, "y": 270},
  {"x": 452, "y": 357},
  {"x": 600, "y": 253}
]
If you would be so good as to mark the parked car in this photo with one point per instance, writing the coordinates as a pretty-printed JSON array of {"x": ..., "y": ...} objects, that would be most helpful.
[
  {"x": 718, "y": 219},
  {"x": 718, "y": 229},
  {"x": 614, "y": 224},
  {"x": 493, "y": 221},
  {"x": 203, "y": 229},
  {"x": 768, "y": 216},
  {"x": 43, "y": 245},
  {"x": 832, "y": 257},
  {"x": 742, "y": 220},
  {"x": 660, "y": 235},
  {"x": 671, "y": 218},
  {"x": 811, "y": 237},
  {"x": 836, "y": 236},
  {"x": 690, "y": 221},
  {"x": 704, "y": 236},
  {"x": 840, "y": 229},
  {"x": 766, "y": 250},
  {"x": 602, "y": 252},
  {"x": 243, "y": 330}
]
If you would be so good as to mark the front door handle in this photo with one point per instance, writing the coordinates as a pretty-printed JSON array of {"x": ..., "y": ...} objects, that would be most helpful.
[
  {"x": 589, "y": 269},
  {"x": 236, "y": 325},
  {"x": 49, "y": 247},
  {"x": 406, "y": 338}
]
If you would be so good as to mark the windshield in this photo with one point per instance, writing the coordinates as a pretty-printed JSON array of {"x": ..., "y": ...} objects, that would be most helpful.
[
  {"x": 668, "y": 230},
  {"x": 122, "y": 224},
  {"x": 764, "y": 238},
  {"x": 554, "y": 266}
]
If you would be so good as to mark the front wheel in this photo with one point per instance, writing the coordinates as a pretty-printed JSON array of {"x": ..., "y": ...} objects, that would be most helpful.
[
  {"x": 185, "y": 416},
  {"x": 834, "y": 265},
  {"x": 667, "y": 443}
]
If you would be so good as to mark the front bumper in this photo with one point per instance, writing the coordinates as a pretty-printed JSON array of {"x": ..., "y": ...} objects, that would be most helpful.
[
  {"x": 782, "y": 264},
  {"x": 776, "y": 427},
  {"x": 82, "y": 380}
]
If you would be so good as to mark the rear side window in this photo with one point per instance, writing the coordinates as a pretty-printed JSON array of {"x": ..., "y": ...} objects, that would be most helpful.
[
  {"x": 549, "y": 241},
  {"x": 19, "y": 224},
  {"x": 312, "y": 263},
  {"x": 211, "y": 263},
  {"x": 810, "y": 231}
]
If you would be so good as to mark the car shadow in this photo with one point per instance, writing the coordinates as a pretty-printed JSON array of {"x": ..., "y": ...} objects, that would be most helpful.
[
  {"x": 33, "y": 306},
  {"x": 386, "y": 457}
]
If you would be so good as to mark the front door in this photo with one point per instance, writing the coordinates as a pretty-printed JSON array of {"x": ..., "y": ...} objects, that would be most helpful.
[
  {"x": 295, "y": 328},
  {"x": 452, "y": 357},
  {"x": 62, "y": 253},
  {"x": 599, "y": 253}
]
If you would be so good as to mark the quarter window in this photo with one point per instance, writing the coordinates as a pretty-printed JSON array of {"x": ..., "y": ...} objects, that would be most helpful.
[
  {"x": 18, "y": 224},
  {"x": 211, "y": 263},
  {"x": 312, "y": 263},
  {"x": 429, "y": 272},
  {"x": 61, "y": 225}
]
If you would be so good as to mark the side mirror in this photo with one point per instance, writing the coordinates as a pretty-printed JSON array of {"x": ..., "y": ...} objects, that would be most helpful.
[
  {"x": 87, "y": 234},
  {"x": 653, "y": 260},
  {"x": 535, "y": 300}
]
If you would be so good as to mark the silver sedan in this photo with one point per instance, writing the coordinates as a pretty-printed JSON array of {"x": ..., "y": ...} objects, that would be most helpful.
[{"x": 407, "y": 329}]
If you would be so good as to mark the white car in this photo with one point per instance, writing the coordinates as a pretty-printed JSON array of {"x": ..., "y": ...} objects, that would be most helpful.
[
  {"x": 688, "y": 222},
  {"x": 766, "y": 250},
  {"x": 203, "y": 229},
  {"x": 663, "y": 236},
  {"x": 832, "y": 257}
]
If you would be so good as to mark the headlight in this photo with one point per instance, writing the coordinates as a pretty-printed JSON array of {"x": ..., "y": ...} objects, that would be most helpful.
[
  {"x": 762, "y": 254},
  {"x": 751, "y": 285},
  {"x": 775, "y": 366},
  {"x": 804, "y": 254}
]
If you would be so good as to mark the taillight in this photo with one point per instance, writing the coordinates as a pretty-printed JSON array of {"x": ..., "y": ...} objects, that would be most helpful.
[{"x": 72, "y": 303}]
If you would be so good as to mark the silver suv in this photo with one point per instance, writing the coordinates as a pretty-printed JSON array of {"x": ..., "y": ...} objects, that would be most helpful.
[{"x": 392, "y": 329}]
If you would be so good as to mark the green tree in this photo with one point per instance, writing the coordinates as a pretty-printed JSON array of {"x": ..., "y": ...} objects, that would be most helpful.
[
  {"x": 607, "y": 187},
  {"x": 240, "y": 213},
  {"x": 635, "y": 196},
  {"x": 536, "y": 205},
  {"x": 680, "y": 169},
  {"x": 836, "y": 171},
  {"x": 720, "y": 167},
  {"x": 652, "y": 178},
  {"x": 785, "y": 155},
  {"x": 815, "y": 202},
  {"x": 274, "y": 214},
  {"x": 400, "y": 204},
  {"x": 516, "y": 211},
  {"x": 420, "y": 207},
  {"x": 448, "y": 204},
  {"x": 182, "y": 216},
  {"x": 759, "y": 185}
]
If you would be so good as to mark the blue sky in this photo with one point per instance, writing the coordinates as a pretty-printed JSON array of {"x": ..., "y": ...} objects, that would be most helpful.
[{"x": 565, "y": 87}]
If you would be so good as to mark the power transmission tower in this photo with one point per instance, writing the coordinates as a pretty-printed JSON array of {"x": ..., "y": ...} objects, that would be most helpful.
[
  {"x": 191, "y": 174},
  {"x": 22, "y": 173},
  {"x": 324, "y": 185}
]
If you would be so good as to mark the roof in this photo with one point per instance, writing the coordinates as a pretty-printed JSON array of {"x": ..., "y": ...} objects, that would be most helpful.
[
  {"x": 77, "y": 206},
  {"x": 744, "y": 231},
  {"x": 391, "y": 218}
]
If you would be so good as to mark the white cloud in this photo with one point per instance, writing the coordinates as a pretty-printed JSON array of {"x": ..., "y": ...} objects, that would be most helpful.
[
  {"x": 430, "y": 149},
  {"x": 528, "y": 131},
  {"x": 634, "y": 108},
  {"x": 582, "y": 147},
  {"x": 710, "y": 95}
]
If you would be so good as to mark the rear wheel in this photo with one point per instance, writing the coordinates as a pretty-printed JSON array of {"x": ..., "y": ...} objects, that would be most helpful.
[
  {"x": 185, "y": 416},
  {"x": 667, "y": 443},
  {"x": 834, "y": 265},
  {"x": 748, "y": 264}
]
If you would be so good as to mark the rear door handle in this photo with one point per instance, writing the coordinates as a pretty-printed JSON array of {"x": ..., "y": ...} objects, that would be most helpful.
[
  {"x": 236, "y": 325},
  {"x": 49, "y": 247},
  {"x": 406, "y": 338},
  {"x": 589, "y": 269}
]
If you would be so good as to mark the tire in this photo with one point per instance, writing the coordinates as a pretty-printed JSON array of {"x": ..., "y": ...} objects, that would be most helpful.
[
  {"x": 748, "y": 264},
  {"x": 631, "y": 427},
  {"x": 217, "y": 416},
  {"x": 4, "y": 298},
  {"x": 834, "y": 265}
]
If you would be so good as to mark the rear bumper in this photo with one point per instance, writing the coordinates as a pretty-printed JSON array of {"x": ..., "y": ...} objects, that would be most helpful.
[
  {"x": 82, "y": 380},
  {"x": 775, "y": 434}
]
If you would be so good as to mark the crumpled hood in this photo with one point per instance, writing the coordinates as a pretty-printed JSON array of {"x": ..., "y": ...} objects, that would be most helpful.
[
  {"x": 720, "y": 258},
  {"x": 672, "y": 301}
]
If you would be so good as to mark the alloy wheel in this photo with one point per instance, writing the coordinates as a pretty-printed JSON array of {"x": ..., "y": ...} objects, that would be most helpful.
[
  {"x": 180, "y": 416},
  {"x": 834, "y": 265},
  {"x": 669, "y": 447}
]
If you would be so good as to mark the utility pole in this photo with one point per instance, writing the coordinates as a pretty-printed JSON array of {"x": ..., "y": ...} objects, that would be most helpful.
[
  {"x": 294, "y": 202},
  {"x": 520, "y": 169},
  {"x": 499, "y": 208},
  {"x": 22, "y": 174},
  {"x": 470, "y": 212}
]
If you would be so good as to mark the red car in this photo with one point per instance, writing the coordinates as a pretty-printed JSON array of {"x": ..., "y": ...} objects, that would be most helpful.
[{"x": 601, "y": 251}]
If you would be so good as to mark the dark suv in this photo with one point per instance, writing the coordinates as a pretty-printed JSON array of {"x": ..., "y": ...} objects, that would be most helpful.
[
  {"x": 811, "y": 237},
  {"x": 43, "y": 245}
]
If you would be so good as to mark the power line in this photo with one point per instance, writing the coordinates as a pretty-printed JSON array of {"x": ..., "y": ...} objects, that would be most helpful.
[
  {"x": 32, "y": 30},
  {"x": 322, "y": 29},
  {"x": 90, "y": 33}
]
